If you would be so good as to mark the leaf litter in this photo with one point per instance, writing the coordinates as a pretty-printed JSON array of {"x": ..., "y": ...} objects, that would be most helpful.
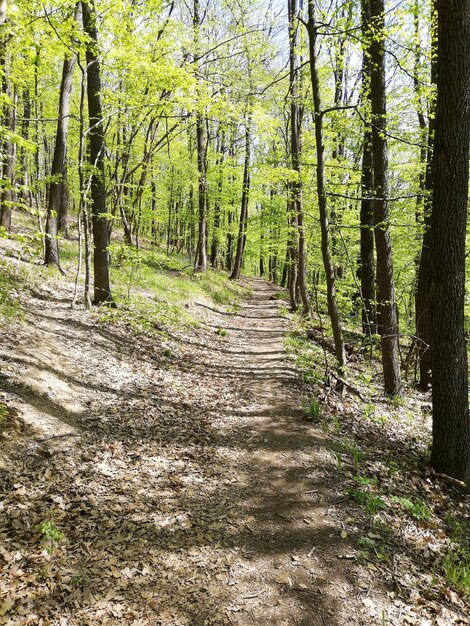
[{"x": 173, "y": 480}]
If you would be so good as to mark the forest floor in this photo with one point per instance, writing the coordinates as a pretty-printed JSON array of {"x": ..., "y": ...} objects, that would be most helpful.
[{"x": 173, "y": 479}]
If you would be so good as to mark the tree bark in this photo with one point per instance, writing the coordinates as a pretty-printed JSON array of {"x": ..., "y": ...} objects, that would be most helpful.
[
  {"x": 366, "y": 270},
  {"x": 220, "y": 186},
  {"x": 9, "y": 148},
  {"x": 451, "y": 423},
  {"x": 51, "y": 256},
  {"x": 201, "y": 255},
  {"x": 422, "y": 312},
  {"x": 102, "y": 287},
  {"x": 387, "y": 316},
  {"x": 295, "y": 147},
  {"x": 321, "y": 190},
  {"x": 237, "y": 266}
]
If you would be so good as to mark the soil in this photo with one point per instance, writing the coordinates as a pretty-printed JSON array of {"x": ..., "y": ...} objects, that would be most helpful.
[{"x": 172, "y": 479}]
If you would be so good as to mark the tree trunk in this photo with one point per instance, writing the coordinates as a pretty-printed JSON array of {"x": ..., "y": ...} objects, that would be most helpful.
[
  {"x": 295, "y": 147},
  {"x": 422, "y": 312},
  {"x": 237, "y": 266},
  {"x": 51, "y": 256},
  {"x": 321, "y": 190},
  {"x": 216, "y": 225},
  {"x": 102, "y": 287},
  {"x": 9, "y": 147},
  {"x": 366, "y": 271},
  {"x": 451, "y": 423},
  {"x": 387, "y": 317},
  {"x": 201, "y": 254}
]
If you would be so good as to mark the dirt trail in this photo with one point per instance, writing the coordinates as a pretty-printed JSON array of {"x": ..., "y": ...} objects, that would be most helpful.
[
  {"x": 293, "y": 548},
  {"x": 186, "y": 486}
]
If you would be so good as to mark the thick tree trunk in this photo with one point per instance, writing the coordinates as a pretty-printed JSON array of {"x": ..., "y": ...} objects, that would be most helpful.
[
  {"x": 321, "y": 190},
  {"x": 51, "y": 256},
  {"x": 387, "y": 316},
  {"x": 422, "y": 312},
  {"x": 451, "y": 422},
  {"x": 102, "y": 287},
  {"x": 237, "y": 266},
  {"x": 295, "y": 146}
]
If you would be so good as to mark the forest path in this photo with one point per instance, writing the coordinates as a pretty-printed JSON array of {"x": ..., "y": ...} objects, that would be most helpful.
[
  {"x": 292, "y": 570},
  {"x": 182, "y": 479}
]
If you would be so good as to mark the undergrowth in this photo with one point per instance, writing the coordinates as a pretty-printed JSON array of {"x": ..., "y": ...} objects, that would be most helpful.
[{"x": 11, "y": 277}]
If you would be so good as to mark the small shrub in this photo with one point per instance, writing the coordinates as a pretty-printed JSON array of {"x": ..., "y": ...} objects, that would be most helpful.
[{"x": 50, "y": 534}]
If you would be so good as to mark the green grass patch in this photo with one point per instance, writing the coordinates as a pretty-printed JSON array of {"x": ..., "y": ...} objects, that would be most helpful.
[
  {"x": 417, "y": 508},
  {"x": 11, "y": 277},
  {"x": 155, "y": 291}
]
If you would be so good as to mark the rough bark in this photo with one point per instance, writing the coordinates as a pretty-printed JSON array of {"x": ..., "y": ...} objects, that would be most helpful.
[
  {"x": 387, "y": 317},
  {"x": 451, "y": 423},
  {"x": 295, "y": 148},
  {"x": 220, "y": 186},
  {"x": 237, "y": 265},
  {"x": 51, "y": 256},
  {"x": 366, "y": 267},
  {"x": 321, "y": 191},
  {"x": 422, "y": 313},
  {"x": 102, "y": 287},
  {"x": 9, "y": 148},
  {"x": 201, "y": 255}
]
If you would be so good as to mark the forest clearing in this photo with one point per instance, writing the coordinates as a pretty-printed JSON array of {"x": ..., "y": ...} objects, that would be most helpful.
[{"x": 234, "y": 312}]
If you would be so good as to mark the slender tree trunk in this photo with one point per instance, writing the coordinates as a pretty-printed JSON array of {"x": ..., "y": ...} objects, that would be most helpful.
[
  {"x": 321, "y": 190},
  {"x": 216, "y": 225},
  {"x": 201, "y": 254},
  {"x": 102, "y": 287},
  {"x": 25, "y": 179},
  {"x": 387, "y": 316},
  {"x": 295, "y": 147},
  {"x": 367, "y": 271},
  {"x": 451, "y": 422},
  {"x": 289, "y": 275},
  {"x": 242, "y": 226},
  {"x": 83, "y": 204},
  {"x": 9, "y": 147},
  {"x": 422, "y": 311},
  {"x": 58, "y": 165}
]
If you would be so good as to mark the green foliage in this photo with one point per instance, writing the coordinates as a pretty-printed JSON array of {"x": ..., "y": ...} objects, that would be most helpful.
[
  {"x": 50, "y": 534},
  {"x": 418, "y": 509},
  {"x": 10, "y": 279},
  {"x": 351, "y": 448},
  {"x": 3, "y": 417},
  {"x": 312, "y": 409},
  {"x": 456, "y": 565},
  {"x": 156, "y": 292},
  {"x": 367, "y": 497}
]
